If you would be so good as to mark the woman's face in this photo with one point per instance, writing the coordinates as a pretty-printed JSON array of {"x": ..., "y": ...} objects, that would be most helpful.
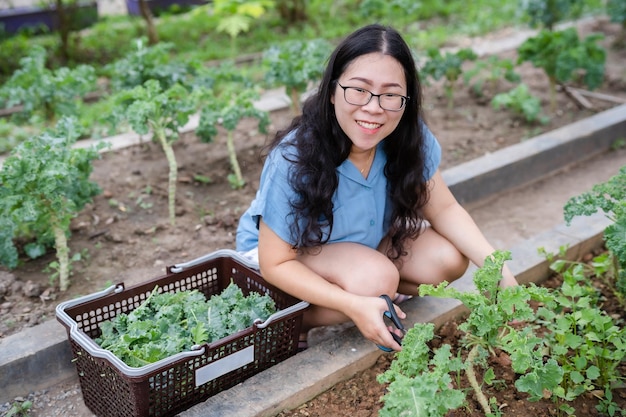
[{"x": 369, "y": 124}]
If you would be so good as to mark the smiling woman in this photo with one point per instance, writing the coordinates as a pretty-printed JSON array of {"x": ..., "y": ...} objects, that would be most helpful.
[{"x": 357, "y": 178}]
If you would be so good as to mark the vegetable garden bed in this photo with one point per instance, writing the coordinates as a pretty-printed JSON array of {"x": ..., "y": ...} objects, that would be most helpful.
[{"x": 126, "y": 228}]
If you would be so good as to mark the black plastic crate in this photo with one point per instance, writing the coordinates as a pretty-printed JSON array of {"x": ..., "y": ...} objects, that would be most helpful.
[{"x": 164, "y": 388}]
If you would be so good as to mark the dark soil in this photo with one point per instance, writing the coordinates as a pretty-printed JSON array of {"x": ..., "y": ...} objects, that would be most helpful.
[{"x": 126, "y": 235}]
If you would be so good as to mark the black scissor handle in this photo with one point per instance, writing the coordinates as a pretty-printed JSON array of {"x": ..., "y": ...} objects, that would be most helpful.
[{"x": 391, "y": 314}]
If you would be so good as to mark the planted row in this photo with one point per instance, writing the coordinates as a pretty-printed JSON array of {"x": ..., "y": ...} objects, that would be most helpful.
[{"x": 560, "y": 343}]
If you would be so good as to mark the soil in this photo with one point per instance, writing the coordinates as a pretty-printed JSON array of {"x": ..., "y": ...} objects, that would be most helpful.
[{"x": 125, "y": 236}]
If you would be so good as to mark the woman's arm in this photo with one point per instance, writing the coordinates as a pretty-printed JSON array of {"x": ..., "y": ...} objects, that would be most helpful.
[
  {"x": 280, "y": 266},
  {"x": 452, "y": 221}
]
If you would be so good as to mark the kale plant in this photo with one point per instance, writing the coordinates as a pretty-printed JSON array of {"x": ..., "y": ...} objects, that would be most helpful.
[
  {"x": 231, "y": 104},
  {"x": 487, "y": 327},
  {"x": 167, "y": 323},
  {"x": 296, "y": 64},
  {"x": 547, "y": 13},
  {"x": 610, "y": 198},
  {"x": 147, "y": 62},
  {"x": 521, "y": 102},
  {"x": 616, "y": 9},
  {"x": 448, "y": 66},
  {"x": 45, "y": 183},
  {"x": 50, "y": 93},
  {"x": 162, "y": 112},
  {"x": 563, "y": 56}
]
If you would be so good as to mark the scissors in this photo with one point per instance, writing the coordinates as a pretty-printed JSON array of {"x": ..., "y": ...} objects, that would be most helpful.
[{"x": 391, "y": 314}]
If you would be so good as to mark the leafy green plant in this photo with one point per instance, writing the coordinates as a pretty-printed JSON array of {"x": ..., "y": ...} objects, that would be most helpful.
[
  {"x": 492, "y": 310},
  {"x": 296, "y": 65},
  {"x": 419, "y": 382},
  {"x": 386, "y": 8},
  {"x": 563, "y": 56},
  {"x": 147, "y": 62},
  {"x": 19, "y": 409},
  {"x": 169, "y": 323},
  {"x": 228, "y": 108},
  {"x": 583, "y": 339},
  {"x": 12, "y": 134},
  {"x": 487, "y": 73},
  {"x": 40, "y": 90},
  {"x": 616, "y": 9},
  {"x": 448, "y": 66},
  {"x": 610, "y": 197},
  {"x": 236, "y": 16},
  {"x": 487, "y": 327},
  {"x": 547, "y": 13},
  {"x": 162, "y": 112},
  {"x": 45, "y": 183},
  {"x": 521, "y": 102}
]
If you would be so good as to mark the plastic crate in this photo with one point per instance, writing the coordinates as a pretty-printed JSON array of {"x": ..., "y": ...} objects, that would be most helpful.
[{"x": 171, "y": 385}]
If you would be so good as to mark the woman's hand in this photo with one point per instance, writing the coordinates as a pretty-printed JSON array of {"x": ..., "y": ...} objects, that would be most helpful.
[{"x": 367, "y": 314}]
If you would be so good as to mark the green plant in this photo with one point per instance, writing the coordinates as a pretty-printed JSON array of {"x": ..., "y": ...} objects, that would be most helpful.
[
  {"x": 547, "y": 13},
  {"x": 53, "y": 93},
  {"x": 487, "y": 327},
  {"x": 169, "y": 323},
  {"x": 146, "y": 62},
  {"x": 19, "y": 409},
  {"x": 420, "y": 382},
  {"x": 521, "y": 102},
  {"x": 487, "y": 73},
  {"x": 11, "y": 135},
  {"x": 296, "y": 65},
  {"x": 610, "y": 198},
  {"x": 45, "y": 183},
  {"x": 163, "y": 112},
  {"x": 448, "y": 66},
  {"x": 492, "y": 309},
  {"x": 236, "y": 16},
  {"x": 233, "y": 104},
  {"x": 616, "y": 9},
  {"x": 586, "y": 343},
  {"x": 387, "y": 8},
  {"x": 563, "y": 56}
]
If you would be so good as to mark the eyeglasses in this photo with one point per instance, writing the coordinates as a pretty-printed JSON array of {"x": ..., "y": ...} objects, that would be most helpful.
[{"x": 360, "y": 97}]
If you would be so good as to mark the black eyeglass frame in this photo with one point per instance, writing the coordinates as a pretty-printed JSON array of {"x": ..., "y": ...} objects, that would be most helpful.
[{"x": 404, "y": 98}]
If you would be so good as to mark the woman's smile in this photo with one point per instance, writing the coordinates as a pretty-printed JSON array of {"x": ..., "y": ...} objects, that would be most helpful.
[{"x": 368, "y": 124}]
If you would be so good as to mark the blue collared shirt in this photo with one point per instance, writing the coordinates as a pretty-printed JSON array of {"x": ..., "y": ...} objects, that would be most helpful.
[{"x": 361, "y": 206}]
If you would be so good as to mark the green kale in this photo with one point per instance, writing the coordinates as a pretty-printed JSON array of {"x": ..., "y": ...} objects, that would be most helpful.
[{"x": 169, "y": 323}]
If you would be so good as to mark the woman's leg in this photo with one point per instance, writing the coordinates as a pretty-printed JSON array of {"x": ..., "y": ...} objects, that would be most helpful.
[
  {"x": 431, "y": 259},
  {"x": 353, "y": 267}
]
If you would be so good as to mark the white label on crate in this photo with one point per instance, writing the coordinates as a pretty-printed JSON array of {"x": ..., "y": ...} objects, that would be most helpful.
[{"x": 224, "y": 366}]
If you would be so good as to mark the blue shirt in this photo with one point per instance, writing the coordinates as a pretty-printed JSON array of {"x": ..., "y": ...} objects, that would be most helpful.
[{"x": 361, "y": 206}]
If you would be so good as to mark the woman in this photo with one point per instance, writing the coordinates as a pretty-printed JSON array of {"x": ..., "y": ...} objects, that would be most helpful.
[{"x": 351, "y": 203}]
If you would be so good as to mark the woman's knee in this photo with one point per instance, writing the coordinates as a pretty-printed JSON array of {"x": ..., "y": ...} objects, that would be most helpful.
[
  {"x": 453, "y": 263},
  {"x": 380, "y": 276},
  {"x": 355, "y": 268},
  {"x": 433, "y": 259}
]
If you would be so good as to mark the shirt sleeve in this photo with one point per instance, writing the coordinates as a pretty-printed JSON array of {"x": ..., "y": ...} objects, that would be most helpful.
[
  {"x": 272, "y": 201},
  {"x": 432, "y": 152}
]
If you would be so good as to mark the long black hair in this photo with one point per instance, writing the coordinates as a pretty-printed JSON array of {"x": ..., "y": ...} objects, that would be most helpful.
[{"x": 321, "y": 146}]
